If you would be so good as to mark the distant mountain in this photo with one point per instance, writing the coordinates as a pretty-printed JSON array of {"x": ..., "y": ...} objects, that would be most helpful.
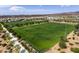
[
  {"x": 65, "y": 13},
  {"x": 77, "y": 12}
]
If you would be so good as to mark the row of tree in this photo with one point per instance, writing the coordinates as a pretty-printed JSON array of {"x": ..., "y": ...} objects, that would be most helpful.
[{"x": 22, "y": 23}]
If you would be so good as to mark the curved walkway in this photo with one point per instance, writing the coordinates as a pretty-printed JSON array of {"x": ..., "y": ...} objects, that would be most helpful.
[{"x": 15, "y": 39}]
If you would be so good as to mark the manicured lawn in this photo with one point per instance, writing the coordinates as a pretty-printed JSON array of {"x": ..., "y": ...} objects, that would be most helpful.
[{"x": 43, "y": 36}]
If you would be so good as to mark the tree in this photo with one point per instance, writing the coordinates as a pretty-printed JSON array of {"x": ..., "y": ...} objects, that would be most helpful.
[
  {"x": 77, "y": 27},
  {"x": 1, "y": 28},
  {"x": 62, "y": 42},
  {"x": 76, "y": 31}
]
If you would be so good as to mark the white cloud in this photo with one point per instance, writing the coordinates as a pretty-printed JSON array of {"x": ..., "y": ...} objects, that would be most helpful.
[
  {"x": 21, "y": 9},
  {"x": 16, "y": 8}
]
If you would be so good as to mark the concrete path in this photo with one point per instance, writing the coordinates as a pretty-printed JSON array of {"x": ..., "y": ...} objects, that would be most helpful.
[{"x": 15, "y": 39}]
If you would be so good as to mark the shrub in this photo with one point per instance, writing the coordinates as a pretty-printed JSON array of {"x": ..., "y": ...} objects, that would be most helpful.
[
  {"x": 71, "y": 44},
  {"x": 58, "y": 49},
  {"x": 76, "y": 50},
  {"x": 62, "y": 52},
  {"x": 76, "y": 42},
  {"x": 62, "y": 45}
]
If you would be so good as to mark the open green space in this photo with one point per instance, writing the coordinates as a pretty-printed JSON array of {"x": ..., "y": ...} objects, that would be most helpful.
[{"x": 43, "y": 36}]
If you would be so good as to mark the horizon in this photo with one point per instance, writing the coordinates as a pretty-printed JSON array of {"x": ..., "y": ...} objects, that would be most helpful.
[{"x": 36, "y": 9}]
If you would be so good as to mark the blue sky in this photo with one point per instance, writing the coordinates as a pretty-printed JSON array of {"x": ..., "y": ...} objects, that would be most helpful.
[{"x": 36, "y": 9}]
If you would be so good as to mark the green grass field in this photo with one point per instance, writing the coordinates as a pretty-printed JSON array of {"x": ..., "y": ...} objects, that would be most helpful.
[{"x": 43, "y": 36}]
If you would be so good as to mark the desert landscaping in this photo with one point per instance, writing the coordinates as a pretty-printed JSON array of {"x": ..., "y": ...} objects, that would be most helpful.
[{"x": 39, "y": 34}]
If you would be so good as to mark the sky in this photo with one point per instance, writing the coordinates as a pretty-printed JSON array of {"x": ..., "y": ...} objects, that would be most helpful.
[{"x": 36, "y": 9}]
